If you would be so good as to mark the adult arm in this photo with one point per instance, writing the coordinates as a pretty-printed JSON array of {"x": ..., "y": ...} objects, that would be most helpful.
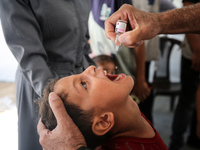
[
  {"x": 24, "y": 37},
  {"x": 194, "y": 42},
  {"x": 146, "y": 25},
  {"x": 66, "y": 136},
  {"x": 140, "y": 88}
]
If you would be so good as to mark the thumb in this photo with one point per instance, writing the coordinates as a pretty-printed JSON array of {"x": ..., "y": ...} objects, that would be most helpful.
[
  {"x": 130, "y": 38},
  {"x": 58, "y": 108}
]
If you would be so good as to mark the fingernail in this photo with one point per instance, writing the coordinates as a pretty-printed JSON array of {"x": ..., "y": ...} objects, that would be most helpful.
[{"x": 53, "y": 96}]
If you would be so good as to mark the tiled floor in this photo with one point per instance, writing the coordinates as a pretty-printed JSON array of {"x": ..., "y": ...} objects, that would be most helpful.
[
  {"x": 8, "y": 129},
  {"x": 163, "y": 119}
]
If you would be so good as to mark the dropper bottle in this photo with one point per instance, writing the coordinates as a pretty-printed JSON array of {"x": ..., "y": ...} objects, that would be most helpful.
[{"x": 119, "y": 29}]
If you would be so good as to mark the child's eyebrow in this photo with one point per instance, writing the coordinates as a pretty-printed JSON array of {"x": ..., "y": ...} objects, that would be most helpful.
[{"x": 75, "y": 86}]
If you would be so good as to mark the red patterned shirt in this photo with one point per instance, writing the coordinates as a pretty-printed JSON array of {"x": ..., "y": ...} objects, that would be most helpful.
[{"x": 133, "y": 143}]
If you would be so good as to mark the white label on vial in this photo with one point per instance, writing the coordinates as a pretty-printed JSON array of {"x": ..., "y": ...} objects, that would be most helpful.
[{"x": 121, "y": 27}]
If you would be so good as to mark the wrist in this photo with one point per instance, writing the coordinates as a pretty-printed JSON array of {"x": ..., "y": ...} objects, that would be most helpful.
[
  {"x": 158, "y": 20},
  {"x": 139, "y": 80}
]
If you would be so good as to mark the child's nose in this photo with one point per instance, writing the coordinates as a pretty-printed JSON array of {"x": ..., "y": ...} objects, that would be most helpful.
[{"x": 91, "y": 70}]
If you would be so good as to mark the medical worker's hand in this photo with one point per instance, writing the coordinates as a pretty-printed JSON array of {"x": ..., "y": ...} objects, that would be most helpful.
[
  {"x": 142, "y": 25},
  {"x": 66, "y": 136}
]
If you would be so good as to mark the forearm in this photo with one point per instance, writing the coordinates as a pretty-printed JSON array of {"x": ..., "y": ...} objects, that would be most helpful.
[
  {"x": 183, "y": 20},
  {"x": 140, "y": 62},
  {"x": 193, "y": 39},
  {"x": 141, "y": 88}
]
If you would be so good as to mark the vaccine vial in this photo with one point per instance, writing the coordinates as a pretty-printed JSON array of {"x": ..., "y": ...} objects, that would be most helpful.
[{"x": 119, "y": 29}]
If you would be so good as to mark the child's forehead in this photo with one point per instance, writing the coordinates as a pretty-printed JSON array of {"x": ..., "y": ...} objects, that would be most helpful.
[
  {"x": 61, "y": 85},
  {"x": 61, "y": 90}
]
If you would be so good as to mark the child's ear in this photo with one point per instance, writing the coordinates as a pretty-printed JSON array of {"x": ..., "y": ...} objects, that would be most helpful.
[{"x": 102, "y": 124}]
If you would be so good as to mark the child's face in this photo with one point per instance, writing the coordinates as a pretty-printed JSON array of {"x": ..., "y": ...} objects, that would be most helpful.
[
  {"x": 93, "y": 89},
  {"x": 108, "y": 66}
]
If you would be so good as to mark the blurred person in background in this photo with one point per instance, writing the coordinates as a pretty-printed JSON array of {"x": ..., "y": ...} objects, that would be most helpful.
[
  {"x": 106, "y": 62},
  {"x": 190, "y": 77},
  {"x": 49, "y": 39}
]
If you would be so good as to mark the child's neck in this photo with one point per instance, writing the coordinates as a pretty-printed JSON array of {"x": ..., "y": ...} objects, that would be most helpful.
[
  {"x": 139, "y": 127},
  {"x": 145, "y": 130}
]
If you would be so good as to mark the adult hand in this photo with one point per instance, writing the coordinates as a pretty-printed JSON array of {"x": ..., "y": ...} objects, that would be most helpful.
[
  {"x": 143, "y": 26},
  {"x": 141, "y": 90},
  {"x": 66, "y": 135}
]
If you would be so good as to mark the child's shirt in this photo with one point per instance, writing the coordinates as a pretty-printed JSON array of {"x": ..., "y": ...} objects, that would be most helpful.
[{"x": 128, "y": 143}]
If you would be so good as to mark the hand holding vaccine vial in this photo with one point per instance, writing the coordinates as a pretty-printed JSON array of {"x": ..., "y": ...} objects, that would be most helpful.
[{"x": 119, "y": 29}]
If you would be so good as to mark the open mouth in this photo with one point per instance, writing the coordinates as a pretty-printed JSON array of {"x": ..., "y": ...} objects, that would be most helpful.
[{"x": 116, "y": 77}]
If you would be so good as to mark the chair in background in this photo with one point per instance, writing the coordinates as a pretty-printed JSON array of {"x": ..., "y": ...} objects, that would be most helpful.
[{"x": 161, "y": 83}]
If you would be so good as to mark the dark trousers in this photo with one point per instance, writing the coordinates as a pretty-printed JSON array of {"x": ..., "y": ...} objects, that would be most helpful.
[
  {"x": 186, "y": 104},
  {"x": 192, "y": 139}
]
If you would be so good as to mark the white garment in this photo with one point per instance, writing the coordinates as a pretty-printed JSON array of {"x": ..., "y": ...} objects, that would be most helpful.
[{"x": 98, "y": 42}]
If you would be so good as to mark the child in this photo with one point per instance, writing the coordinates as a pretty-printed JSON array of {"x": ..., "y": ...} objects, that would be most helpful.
[{"x": 101, "y": 107}]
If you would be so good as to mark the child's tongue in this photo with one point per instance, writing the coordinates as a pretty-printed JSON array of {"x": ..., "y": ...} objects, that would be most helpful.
[{"x": 112, "y": 77}]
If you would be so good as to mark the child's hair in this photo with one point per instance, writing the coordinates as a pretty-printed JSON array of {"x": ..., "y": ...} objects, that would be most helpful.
[
  {"x": 101, "y": 59},
  {"x": 80, "y": 117}
]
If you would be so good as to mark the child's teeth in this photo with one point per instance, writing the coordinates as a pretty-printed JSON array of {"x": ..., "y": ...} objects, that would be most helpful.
[
  {"x": 105, "y": 72},
  {"x": 118, "y": 77}
]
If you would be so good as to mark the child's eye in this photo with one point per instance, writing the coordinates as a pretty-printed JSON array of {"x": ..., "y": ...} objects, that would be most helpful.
[{"x": 84, "y": 85}]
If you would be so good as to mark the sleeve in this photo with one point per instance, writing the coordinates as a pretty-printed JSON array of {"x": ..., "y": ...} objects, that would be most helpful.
[{"x": 24, "y": 38}]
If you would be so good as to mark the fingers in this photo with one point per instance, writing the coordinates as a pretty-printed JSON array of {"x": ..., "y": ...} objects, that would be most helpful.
[
  {"x": 116, "y": 41},
  {"x": 42, "y": 131},
  {"x": 143, "y": 93},
  {"x": 58, "y": 108},
  {"x": 110, "y": 29},
  {"x": 40, "y": 127},
  {"x": 110, "y": 23},
  {"x": 130, "y": 39},
  {"x": 196, "y": 67}
]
